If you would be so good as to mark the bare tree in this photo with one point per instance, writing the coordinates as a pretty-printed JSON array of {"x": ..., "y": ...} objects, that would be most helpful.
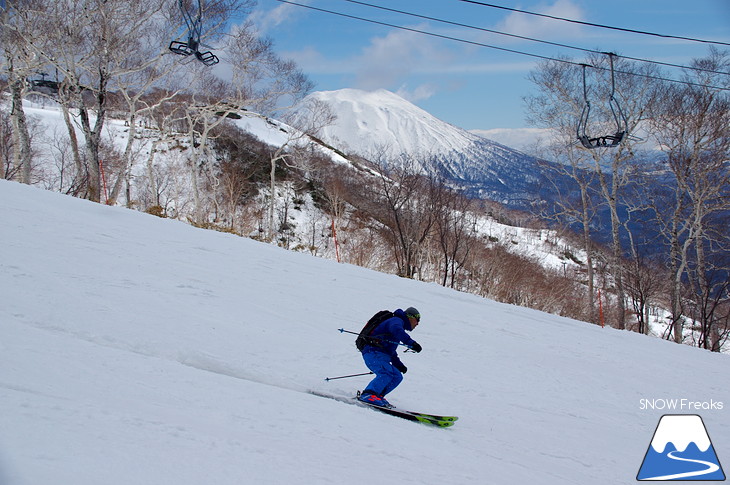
[
  {"x": 406, "y": 211},
  {"x": 18, "y": 62},
  {"x": 7, "y": 148},
  {"x": 285, "y": 153},
  {"x": 240, "y": 158},
  {"x": 334, "y": 194},
  {"x": 98, "y": 45},
  {"x": 88, "y": 42},
  {"x": 260, "y": 83},
  {"x": 556, "y": 107},
  {"x": 561, "y": 99},
  {"x": 137, "y": 87},
  {"x": 454, "y": 228},
  {"x": 693, "y": 128},
  {"x": 305, "y": 123},
  {"x": 644, "y": 283}
]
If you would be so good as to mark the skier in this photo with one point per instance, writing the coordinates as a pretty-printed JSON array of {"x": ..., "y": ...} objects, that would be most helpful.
[{"x": 381, "y": 356}]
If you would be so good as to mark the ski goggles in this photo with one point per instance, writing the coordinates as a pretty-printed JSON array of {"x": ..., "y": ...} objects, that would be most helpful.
[{"x": 417, "y": 316}]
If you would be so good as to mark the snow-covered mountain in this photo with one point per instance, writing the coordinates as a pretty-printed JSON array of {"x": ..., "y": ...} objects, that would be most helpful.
[
  {"x": 370, "y": 121},
  {"x": 140, "y": 350},
  {"x": 382, "y": 124}
]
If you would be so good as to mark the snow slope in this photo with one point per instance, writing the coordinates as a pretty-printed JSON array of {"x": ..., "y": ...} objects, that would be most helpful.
[{"x": 137, "y": 350}]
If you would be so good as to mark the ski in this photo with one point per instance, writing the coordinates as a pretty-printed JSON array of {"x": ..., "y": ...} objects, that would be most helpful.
[
  {"x": 435, "y": 417},
  {"x": 435, "y": 420},
  {"x": 431, "y": 419}
]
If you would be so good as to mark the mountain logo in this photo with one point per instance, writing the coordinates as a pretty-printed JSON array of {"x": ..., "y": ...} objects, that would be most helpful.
[{"x": 681, "y": 450}]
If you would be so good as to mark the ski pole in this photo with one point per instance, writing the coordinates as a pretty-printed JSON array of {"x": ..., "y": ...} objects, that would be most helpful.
[
  {"x": 342, "y": 330},
  {"x": 345, "y": 377}
]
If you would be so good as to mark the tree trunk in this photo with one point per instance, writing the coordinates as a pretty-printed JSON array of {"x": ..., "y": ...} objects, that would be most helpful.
[
  {"x": 21, "y": 136},
  {"x": 127, "y": 160},
  {"x": 78, "y": 163}
]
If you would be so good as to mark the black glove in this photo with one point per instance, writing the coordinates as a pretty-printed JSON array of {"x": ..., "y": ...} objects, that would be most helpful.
[
  {"x": 402, "y": 368},
  {"x": 416, "y": 347}
]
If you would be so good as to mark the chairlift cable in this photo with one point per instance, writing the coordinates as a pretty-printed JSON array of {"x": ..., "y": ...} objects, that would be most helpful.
[
  {"x": 504, "y": 49},
  {"x": 531, "y": 39},
  {"x": 591, "y": 24},
  {"x": 424, "y": 32}
]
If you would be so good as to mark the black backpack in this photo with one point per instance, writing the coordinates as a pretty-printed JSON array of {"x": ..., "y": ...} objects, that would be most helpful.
[{"x": 364, "y": 338}]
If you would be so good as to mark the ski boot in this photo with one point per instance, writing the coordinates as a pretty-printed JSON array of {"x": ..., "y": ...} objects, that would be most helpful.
[{"x": 369, "y": 397}]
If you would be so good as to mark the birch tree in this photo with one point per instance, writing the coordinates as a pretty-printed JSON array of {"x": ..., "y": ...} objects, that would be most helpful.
[
  {"x": 692, "y": 126},
  {"x": 18, "y": 62},
  {"x": 561, "y": 99}
]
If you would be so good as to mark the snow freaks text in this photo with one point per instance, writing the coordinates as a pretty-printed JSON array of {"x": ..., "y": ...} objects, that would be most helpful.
[{"x": 682, "y": 405}]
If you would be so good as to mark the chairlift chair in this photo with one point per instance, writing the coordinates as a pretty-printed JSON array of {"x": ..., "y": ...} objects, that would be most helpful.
[
  {"x": 44, "y": 85},
  {"x": 622, "y": 130},
  {"x": 207, "y": 58},
  {"x": 191, "y": 47}
]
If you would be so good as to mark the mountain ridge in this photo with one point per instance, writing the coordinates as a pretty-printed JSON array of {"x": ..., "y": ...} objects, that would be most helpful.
[{"x": 382, "y": 126}]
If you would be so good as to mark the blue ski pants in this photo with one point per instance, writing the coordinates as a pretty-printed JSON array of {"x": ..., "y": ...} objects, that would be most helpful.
[{"x": 387, "y": 377}]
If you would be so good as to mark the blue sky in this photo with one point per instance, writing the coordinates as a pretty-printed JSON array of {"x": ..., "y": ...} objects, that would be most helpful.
[{"x": 470, "y": 86}]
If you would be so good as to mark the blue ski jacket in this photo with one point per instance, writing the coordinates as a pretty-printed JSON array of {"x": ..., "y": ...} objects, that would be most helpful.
[{"x": 392, "y": 331}]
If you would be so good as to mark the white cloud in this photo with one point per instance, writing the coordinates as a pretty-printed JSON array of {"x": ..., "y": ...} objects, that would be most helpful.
[
  {"x": 424, "y": 91},
  {"x": 384, "y": 62},
  {"x": 545, "y": 28},
  {"x": 267, "y": 20},
  {"x": 527, "y": 140},
  {"x": 389, "y": 60}
]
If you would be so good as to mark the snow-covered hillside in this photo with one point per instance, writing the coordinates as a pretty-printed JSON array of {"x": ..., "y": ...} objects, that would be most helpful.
[
  {"x": 138, "y": 350},
  {"x": 541, "y": 245}
]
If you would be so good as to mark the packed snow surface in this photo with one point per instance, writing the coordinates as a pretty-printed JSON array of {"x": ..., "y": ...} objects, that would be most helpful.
[{"x": 137, "y": 350}]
